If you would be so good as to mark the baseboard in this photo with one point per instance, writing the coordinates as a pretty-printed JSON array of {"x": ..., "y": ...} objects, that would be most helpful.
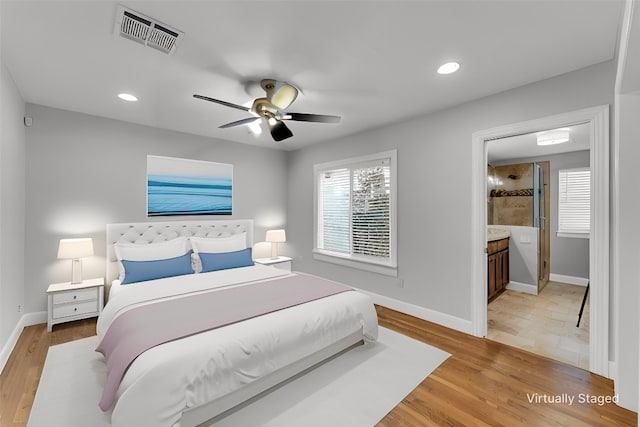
[
  {"x": 523, "y": 287},
  {"x": 423, "y": 313},
  {"x": 580, "y": 281},
  {"x": 27, "y": 319}
]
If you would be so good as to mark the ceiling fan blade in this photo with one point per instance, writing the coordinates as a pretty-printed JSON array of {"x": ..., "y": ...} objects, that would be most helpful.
[
  {"x": 305, "y": 117},
  {"x": 225, "y": 103},
  {"x": 279, "y": 131},
  {"x": 246, "y": 121}
]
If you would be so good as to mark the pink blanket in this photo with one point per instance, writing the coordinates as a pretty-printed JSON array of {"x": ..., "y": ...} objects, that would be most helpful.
[{"x": 147, "y": 326}]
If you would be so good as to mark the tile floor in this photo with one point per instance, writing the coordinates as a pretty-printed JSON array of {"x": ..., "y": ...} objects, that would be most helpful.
[{"x": 544, "y": 324}]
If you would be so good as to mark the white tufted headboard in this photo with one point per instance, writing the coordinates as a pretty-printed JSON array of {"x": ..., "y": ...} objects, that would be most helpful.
[{"x": 154, "y": 232}]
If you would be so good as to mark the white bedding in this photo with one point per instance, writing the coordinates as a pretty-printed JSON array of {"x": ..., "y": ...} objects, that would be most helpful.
[{"x": 166, "y": 380}]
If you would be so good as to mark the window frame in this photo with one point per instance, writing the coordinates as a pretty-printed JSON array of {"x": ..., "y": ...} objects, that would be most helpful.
[
  {"x": 386, "y": 267},
  {"x": 575, "y": 233}
]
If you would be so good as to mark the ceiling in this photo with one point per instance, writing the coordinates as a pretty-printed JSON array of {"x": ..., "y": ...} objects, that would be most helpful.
[
  {"x": 525, "y": 146},
  {"x": 371, "y": 62}
]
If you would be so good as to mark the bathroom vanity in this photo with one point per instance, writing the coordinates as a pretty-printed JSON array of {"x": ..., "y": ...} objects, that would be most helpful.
[{"x": 498, "y": 261}]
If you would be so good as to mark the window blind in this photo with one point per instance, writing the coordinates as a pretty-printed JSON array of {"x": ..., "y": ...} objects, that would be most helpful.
[
  {"x": 574, "y": 200},
  {"x": 334, "y": 224},
  {"x": 354, "y": 210}
]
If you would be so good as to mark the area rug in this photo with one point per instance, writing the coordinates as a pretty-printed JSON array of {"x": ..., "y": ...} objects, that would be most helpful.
[{"x": 356, "y": 389}]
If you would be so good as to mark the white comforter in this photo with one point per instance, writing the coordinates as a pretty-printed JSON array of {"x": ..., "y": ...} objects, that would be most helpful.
[{"x": 166, "y": 380}]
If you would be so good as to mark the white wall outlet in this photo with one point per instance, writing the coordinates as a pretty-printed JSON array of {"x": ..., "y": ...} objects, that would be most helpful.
[
  {"x": 525, "y": 239},
  {"x": 400, "y": 282},
  {"x": 19, "y": 308}
]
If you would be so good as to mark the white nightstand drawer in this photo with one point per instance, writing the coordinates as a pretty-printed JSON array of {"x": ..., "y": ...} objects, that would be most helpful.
[
  {"x": 73, "y": 296},
  {"x": 75, "y": 309}
]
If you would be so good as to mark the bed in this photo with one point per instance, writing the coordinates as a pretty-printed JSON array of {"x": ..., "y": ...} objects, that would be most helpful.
[{"x": 198, "y": 377}]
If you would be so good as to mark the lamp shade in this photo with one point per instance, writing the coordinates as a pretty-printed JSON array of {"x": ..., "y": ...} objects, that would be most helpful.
[
  {"x": 75, "y": 248},
  {"x": 276, "y": 236}
]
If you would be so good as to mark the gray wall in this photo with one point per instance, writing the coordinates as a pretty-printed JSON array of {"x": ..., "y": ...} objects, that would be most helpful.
[
  {"x": 83, "y": 172},
  {"x": 569, "y": 256},
  {"x": 627, "y": 249},
  {"x": 12, "y": 205},
  {"x": 434, "y": 182}
]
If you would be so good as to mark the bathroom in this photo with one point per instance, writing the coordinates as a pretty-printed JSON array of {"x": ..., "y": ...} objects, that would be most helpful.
[
  {"x": 518, "y": 201},
  {"x": 544, "y": 270}
]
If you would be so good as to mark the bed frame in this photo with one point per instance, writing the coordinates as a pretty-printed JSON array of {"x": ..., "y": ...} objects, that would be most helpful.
[{"x": 153, "y": 232}]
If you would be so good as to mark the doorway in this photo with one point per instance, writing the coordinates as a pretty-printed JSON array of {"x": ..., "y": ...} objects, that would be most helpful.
[
  {"x": 524, "y": 198},
  {"x": 597, "y": 119}
]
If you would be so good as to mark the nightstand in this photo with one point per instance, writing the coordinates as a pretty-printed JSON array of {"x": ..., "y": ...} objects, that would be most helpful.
[
  {"x": 282, "y": 262},
  {"x": 68, "y": 302}
]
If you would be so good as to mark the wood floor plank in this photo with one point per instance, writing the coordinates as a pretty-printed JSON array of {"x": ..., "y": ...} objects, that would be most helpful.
[{"x": 483, "y": 383}]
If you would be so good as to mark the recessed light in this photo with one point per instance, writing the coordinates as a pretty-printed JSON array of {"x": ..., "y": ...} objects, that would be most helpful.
[
  {"x": 448, "y": 68},
  {"x": 127, "y": 97}
]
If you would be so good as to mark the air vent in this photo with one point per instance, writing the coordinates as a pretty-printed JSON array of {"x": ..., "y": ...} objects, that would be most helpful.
[{"x": 147, "y": 31}]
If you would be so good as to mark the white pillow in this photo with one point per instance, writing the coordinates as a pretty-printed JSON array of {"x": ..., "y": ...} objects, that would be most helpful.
[
  {"x": 216, "y": 245},
  {"x": 152, "y": 251}
]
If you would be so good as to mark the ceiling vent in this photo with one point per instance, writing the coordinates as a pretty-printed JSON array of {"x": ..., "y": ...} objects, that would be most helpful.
[{"x": 147, "y": 31}]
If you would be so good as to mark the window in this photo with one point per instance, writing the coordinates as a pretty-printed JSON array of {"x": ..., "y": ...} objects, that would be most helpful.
[
  {"x": 574, "y": 202},
  {"x": 355, "y": 212}
]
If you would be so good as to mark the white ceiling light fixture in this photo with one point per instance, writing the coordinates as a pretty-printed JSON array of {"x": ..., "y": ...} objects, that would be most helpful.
[
  {"x": 448, "y": 68},
  {"x": 552, "y": 137},
  {"x": 127, "y": 97}
]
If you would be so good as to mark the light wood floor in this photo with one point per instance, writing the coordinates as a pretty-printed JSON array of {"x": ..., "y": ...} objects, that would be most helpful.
[
  {"x": 544, "y": 324},
  {"x": 483, "y": 383}
]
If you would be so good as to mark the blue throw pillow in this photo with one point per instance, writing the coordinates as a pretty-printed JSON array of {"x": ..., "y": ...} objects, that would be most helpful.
[
  {"x": 225, "y": 260},
  {"x": 141, "y": 271}
]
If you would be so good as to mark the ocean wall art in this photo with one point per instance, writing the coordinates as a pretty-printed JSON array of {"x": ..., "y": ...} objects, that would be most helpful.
[{"x": 188, "y": 187}]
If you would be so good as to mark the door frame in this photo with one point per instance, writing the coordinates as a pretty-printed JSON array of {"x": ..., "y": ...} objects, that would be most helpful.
[{"x": 598, "y": 120}]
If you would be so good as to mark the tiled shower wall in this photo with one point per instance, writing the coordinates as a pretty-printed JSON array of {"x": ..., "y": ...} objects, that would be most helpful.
[{"x": 510, "y": 198}]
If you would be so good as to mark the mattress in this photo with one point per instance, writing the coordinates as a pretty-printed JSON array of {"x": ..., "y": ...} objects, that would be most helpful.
[{"x": 174, "y": 377}]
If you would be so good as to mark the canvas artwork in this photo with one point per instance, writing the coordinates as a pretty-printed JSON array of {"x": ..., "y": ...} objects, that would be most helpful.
[{"x": 188, "y": 187}]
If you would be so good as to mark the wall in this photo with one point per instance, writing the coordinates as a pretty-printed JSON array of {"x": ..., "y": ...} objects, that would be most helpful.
[
  {"x": 434, "y": 181},
  {"x": 12, "y": 210},
  {"x": 627, "y": 211},
  {"x": 83, "y": 172},
  {"x": 523, "y": 259}
]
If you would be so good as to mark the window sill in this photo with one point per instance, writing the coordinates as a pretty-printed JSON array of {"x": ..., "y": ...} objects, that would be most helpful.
[
  {"x": 378, "y": 268},
  {"x": 572, "y": 235}
]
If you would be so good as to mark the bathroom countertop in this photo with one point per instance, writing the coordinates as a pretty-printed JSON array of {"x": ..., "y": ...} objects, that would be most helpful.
[{"x": 497, "y": 234}]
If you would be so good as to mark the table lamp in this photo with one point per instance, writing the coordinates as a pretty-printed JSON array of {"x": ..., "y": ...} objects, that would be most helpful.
[
  {"x": 74, "y": 249},
  {"x": 275, "y": 237}
]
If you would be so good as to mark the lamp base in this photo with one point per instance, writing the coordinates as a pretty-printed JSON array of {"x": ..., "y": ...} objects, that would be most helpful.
[
  {"x": 274, "y": 251},
  {"x": 76, "y": 271}
]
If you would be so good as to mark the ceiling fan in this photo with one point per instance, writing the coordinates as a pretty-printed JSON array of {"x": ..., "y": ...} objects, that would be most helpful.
[{"x": 279, "y": 96}]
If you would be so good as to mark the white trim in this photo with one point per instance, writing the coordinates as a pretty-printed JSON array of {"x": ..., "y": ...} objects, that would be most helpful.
[
  {"x": 573, "y": 235},
  {"x": 27, "y": 319},
  {"x": 598, "y": 119},
  {"x": 372, "y": 266},
  {"x": 572, "y": 280},
  {"x": 423, "y": 313},
  {"x": 523, "y": 287}
]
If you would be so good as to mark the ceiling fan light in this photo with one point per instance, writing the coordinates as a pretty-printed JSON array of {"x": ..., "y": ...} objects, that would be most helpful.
[
  {"x": 283, "y": 95},
  {"x": 255, "y": 127},
  {"x": 552, "y": 137}
]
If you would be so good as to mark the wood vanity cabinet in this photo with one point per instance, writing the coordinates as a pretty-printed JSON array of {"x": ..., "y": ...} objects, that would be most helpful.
[{"x": 498, "y": 266}]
